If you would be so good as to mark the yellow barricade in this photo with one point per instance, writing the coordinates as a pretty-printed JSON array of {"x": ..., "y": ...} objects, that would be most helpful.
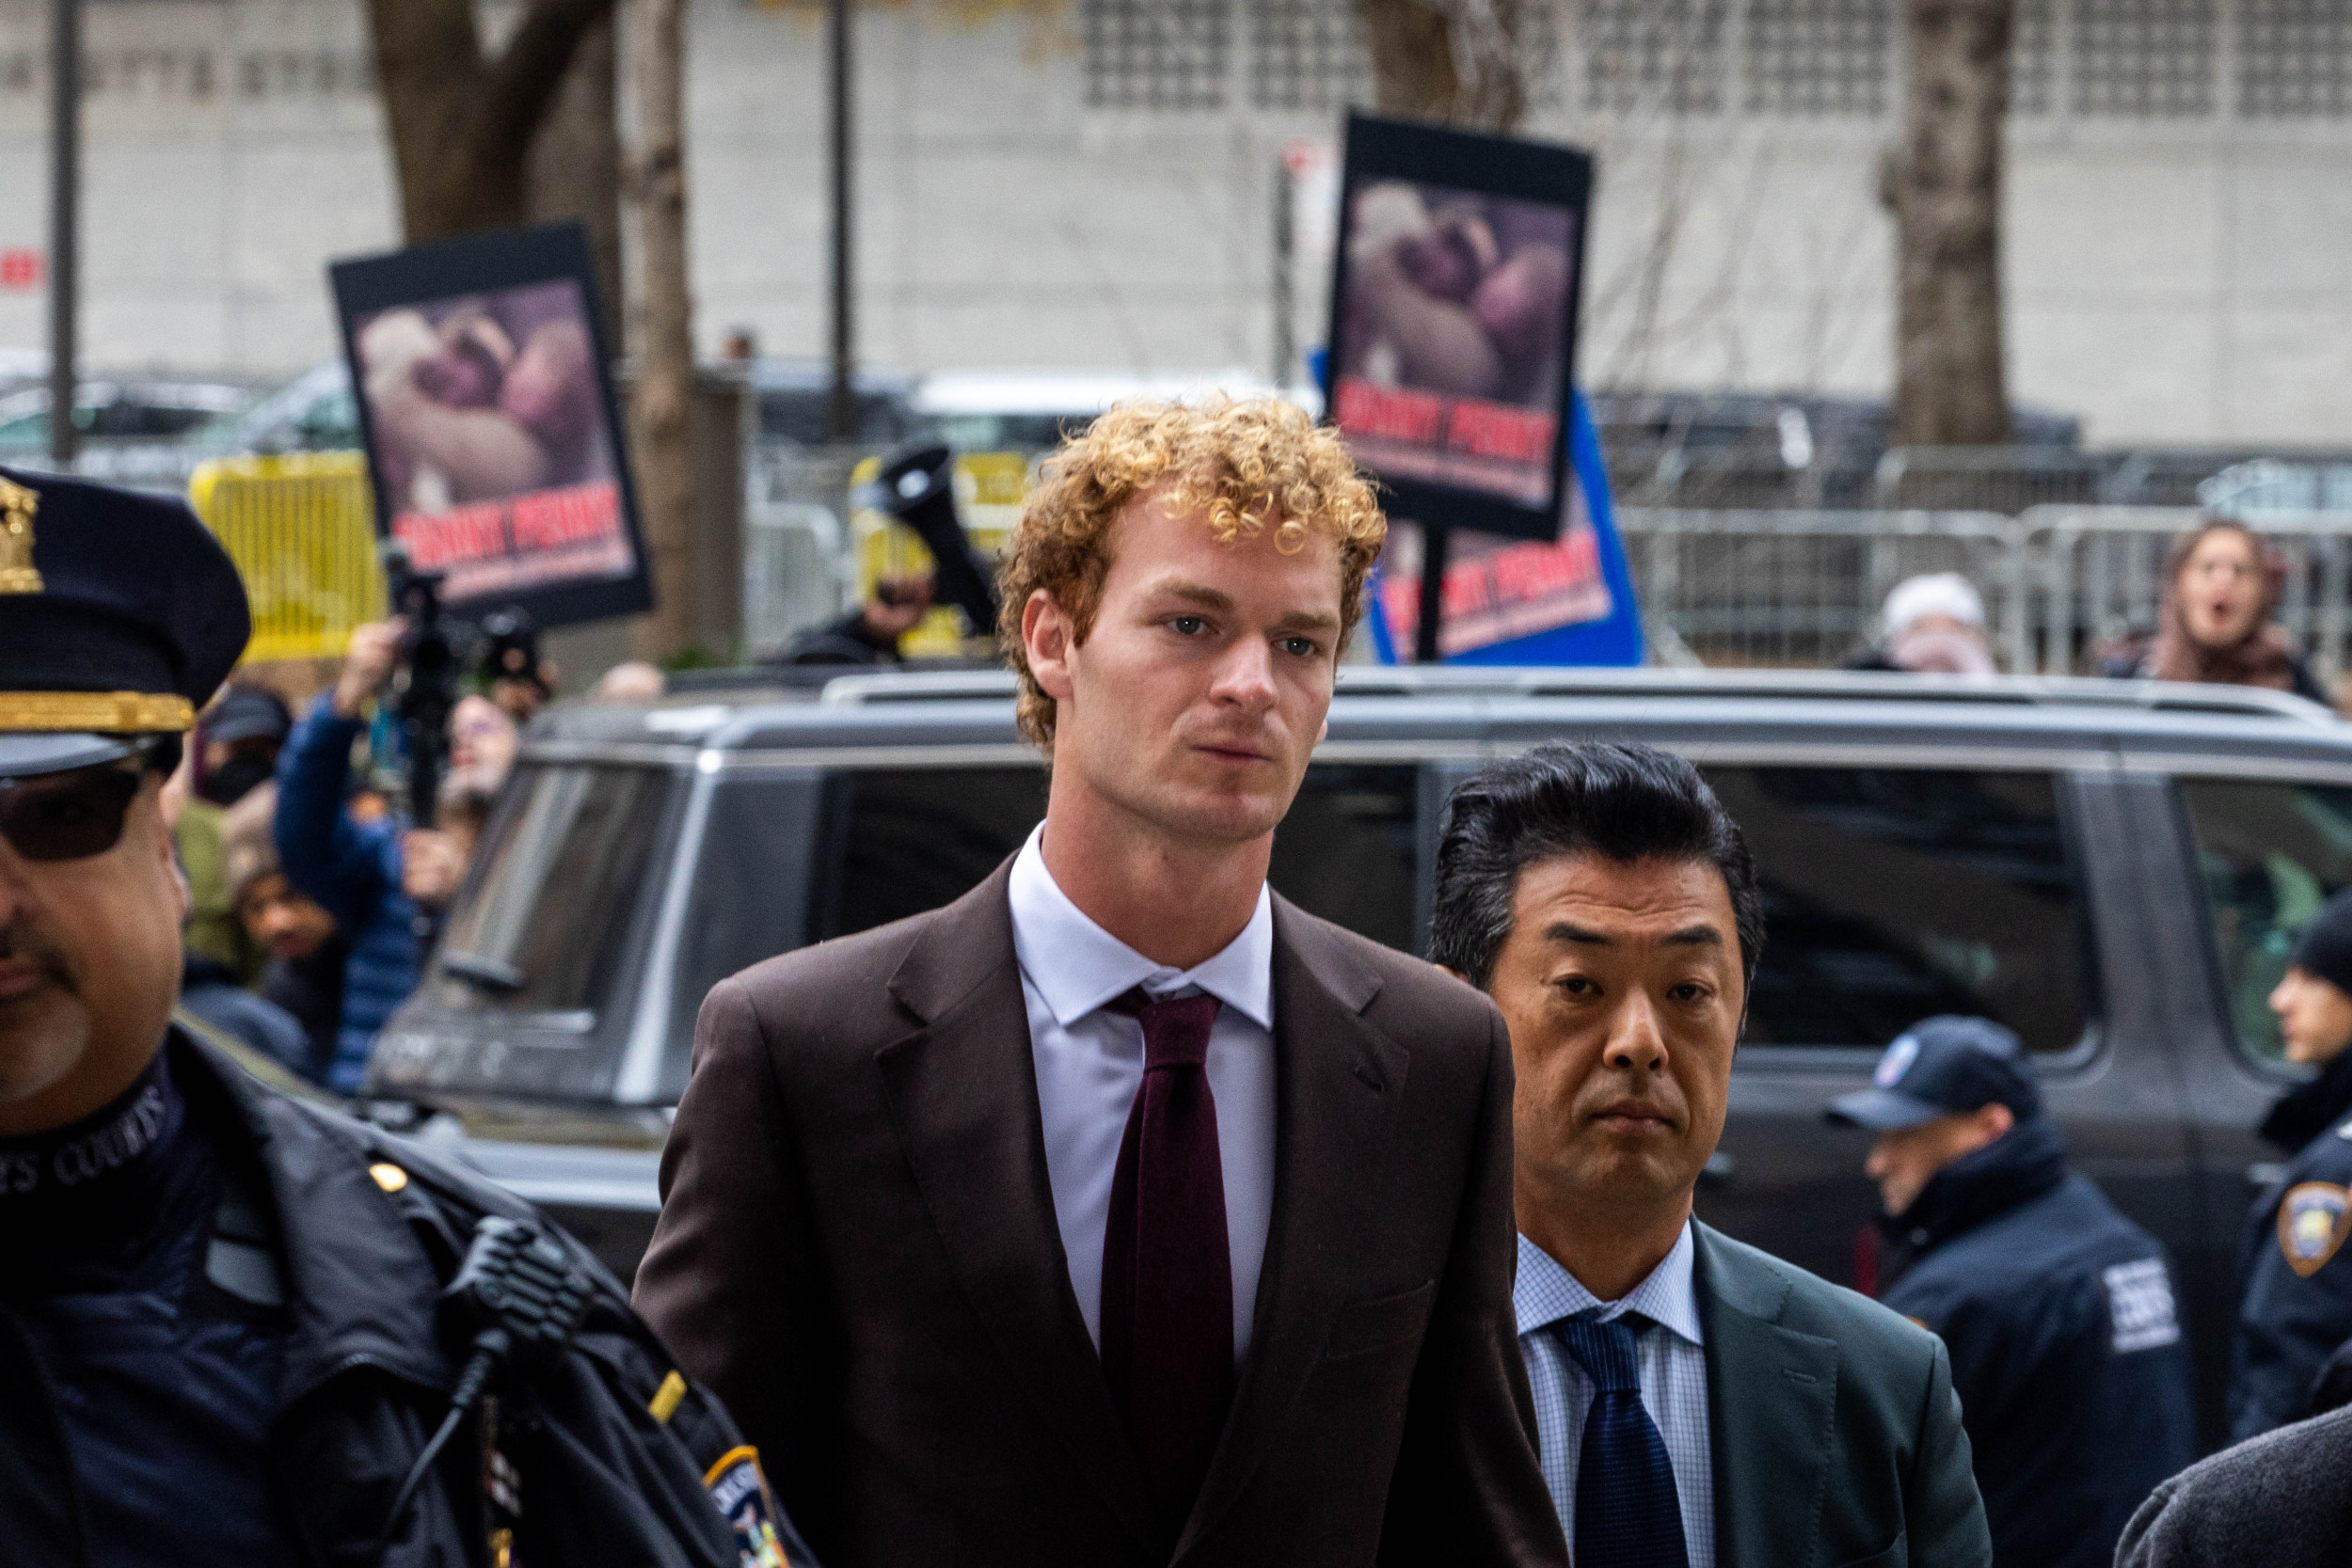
[
  {"x": 988, "y": 489},
  {"x": 302, "y": 532}
]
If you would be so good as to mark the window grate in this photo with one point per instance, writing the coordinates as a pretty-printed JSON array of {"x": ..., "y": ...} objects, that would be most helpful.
[
  {"x": 1655, "y": 55},
  {"x": 1307, "y": 54},
  {"x": 2295, "y": 59},
  {"x": 2145, "y": 58},
  {"x": 1540, "y": 54},
  {"x": 1820, "y": 57},
  {"x": 2033, "y": 57},
  {"x": 1157, "y": 54}
]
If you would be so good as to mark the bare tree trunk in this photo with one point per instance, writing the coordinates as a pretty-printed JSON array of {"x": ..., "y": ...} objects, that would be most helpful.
[
  {"x": 1943, "y": 183},
  {"x": 665, "y": 338},
  {"x": 1455, "y": 61},
  {"x": 462, "y": 124},
  {"x": 574, "y": 170}
]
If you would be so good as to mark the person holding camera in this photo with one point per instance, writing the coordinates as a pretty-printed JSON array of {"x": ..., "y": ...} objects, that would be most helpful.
[
  {"x": 237, "y": 1328},
  {"x": 375, "y": 877},
  {"x": 520, "y": 680}
]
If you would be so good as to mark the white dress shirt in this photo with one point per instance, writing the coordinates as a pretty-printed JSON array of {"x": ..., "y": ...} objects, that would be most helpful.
[
  {"x": 1089, "y": 1066},
  {"x": 1670, "y": 1362}
]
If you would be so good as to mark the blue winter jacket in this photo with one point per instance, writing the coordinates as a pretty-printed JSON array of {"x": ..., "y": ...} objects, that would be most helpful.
[{"x": 353, "y": 870}]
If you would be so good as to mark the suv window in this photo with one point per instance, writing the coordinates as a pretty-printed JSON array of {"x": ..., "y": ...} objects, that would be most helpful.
[
  {"x": 918, "y": 838},
  {"x": 554, "y": 889},
  {"x": 750, "y": 896},
  {"x": 1349, "y": 850},
  {"x": 2271, "y": 852},
  {"x": 1891, "y": 894}
]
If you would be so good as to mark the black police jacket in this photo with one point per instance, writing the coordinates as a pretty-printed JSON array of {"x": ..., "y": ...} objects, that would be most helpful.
[
  {"x": 2062, "y": 1321},
  {"x": 609, "y": 1456},
  {"x": 2295, "y": 1289}
]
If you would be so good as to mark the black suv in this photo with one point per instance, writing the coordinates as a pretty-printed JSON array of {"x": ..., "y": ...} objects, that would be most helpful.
[{"x": 2114, "y": 870}]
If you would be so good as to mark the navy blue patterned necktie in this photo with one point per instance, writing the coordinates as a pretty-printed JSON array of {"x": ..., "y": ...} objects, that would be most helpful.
[{"x": 1628, "y": 1514}]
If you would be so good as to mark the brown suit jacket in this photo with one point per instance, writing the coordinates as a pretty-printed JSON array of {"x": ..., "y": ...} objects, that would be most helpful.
[{"x": 858, "y": 1252}]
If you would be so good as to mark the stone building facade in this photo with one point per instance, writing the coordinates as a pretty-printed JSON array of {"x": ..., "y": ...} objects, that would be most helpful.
[{"x": 1095, "y": 183}]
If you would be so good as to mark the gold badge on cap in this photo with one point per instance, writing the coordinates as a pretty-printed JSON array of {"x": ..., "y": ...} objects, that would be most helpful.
[
  {"x": 2314, "y": 1219},
  {"x": 17, "y": 505}
]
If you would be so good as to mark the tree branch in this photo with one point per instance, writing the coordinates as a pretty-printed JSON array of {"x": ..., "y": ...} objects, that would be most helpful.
[{"x": 525, "y": 78}]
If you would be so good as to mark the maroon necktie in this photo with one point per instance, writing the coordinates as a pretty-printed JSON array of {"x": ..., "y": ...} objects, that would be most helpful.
[{"x": 1167, "y": 1270}]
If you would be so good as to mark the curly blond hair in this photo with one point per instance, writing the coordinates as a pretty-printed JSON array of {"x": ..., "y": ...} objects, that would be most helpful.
[{"x": 1238, "y": 464}]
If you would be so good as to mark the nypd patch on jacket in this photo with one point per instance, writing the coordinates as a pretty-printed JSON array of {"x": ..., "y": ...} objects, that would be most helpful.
[
  {"x": 325, "y": 1251},
  {"x": 2296, "y": 1287}
]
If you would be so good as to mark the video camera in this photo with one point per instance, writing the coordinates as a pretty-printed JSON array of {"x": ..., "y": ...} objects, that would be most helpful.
[
  {"x": 424, "y": 688},
  {"x": 511, "y": 651}
]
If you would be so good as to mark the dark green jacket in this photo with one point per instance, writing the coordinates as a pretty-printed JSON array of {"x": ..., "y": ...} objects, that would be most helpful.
[{"x": 1837, "y": 1436}]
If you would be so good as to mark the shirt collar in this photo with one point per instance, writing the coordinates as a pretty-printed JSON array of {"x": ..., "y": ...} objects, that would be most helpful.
[
  {"x": 1545, "y": 1293},
  {"x": 1076, "y": 966}
]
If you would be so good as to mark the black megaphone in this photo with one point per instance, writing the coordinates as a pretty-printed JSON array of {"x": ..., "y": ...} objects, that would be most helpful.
[{"x": 918, "y": 487}]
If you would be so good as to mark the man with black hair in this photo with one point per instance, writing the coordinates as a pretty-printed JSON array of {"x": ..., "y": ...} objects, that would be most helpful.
[
  {"x": 2296, "y": 1303},
  {"x": 2059, "y": 1314},
  {"x": 1697, "y": 1402}
]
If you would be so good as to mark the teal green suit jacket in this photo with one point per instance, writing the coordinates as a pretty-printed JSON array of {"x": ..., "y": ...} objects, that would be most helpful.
[{"x": 1837, "y": 1436}]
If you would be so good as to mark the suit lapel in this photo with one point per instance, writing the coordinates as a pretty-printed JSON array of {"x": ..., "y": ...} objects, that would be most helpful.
[
  {"x": 1772, "y": 1394},
  {"x": 962, "y": 1092},
  {"x": 1337, "y": 1086}
]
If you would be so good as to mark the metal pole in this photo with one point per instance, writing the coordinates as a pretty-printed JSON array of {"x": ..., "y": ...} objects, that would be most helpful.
[
  {"x": 1433, "y": 554},
  {"x": 1285, "y": 284},
  {"x": 65, "y": 201},
  {"x": 841, "y": 411}
]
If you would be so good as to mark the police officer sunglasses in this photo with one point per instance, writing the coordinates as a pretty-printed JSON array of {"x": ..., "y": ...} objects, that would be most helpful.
[{"x": 66, "y": 817}]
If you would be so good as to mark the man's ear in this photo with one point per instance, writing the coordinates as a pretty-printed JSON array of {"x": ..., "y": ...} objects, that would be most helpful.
[
  {"x": 1456, "y": 972},
  {"x": 1045, "y": 637}
]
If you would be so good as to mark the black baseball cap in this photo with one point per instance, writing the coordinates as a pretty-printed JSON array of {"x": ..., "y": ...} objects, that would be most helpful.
[
  {"x": 120, "y": 617},
  {"x": 248, "y": 713},
  {"x": 2325, "y": 947},
  {"x": 1938, "y": 1067}
]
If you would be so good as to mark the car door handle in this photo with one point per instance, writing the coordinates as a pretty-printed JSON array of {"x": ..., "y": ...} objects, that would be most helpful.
[
  {"x": 1718, "y": 1170},
  {"x": 2264, "y": 1173}
]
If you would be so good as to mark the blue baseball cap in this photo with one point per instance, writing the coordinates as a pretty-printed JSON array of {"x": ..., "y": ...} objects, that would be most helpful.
[{"x": 1937, "y": 1067}]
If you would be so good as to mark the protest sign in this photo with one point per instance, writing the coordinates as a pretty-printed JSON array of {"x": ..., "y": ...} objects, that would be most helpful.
[{"x": 491, "y": 429}]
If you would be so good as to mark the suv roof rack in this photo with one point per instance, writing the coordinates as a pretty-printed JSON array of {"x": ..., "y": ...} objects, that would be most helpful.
[
  {"x": 918, "y": 686},
  {"x": 1362, "y": 680},
  {"x": 808, "y": 677}
]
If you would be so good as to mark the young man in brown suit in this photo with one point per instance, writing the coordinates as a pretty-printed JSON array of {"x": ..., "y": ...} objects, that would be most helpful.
[{"x": 1120, "y": 1213}]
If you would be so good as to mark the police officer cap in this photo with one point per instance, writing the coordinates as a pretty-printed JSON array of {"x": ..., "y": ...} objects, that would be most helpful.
[
  {"x": 2325, "y": 948},
  {"x": 1938, "y": 1067},
  {"x": 120, "y": 617}
]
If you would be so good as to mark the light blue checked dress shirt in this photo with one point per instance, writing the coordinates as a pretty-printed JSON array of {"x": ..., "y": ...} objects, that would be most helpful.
[{"x": 1671, "y": 1369}]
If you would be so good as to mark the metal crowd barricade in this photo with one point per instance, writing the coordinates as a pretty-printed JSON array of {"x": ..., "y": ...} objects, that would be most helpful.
[
  {"x": 2093, "y": 575},
  {"x": 302, "y": 532},
  {"x": 2006, "y": 480},
  {"x": 796, "y": 569},
  {"x": 1801, "y": 588},
  {"x": 1724, "y": 586}
]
